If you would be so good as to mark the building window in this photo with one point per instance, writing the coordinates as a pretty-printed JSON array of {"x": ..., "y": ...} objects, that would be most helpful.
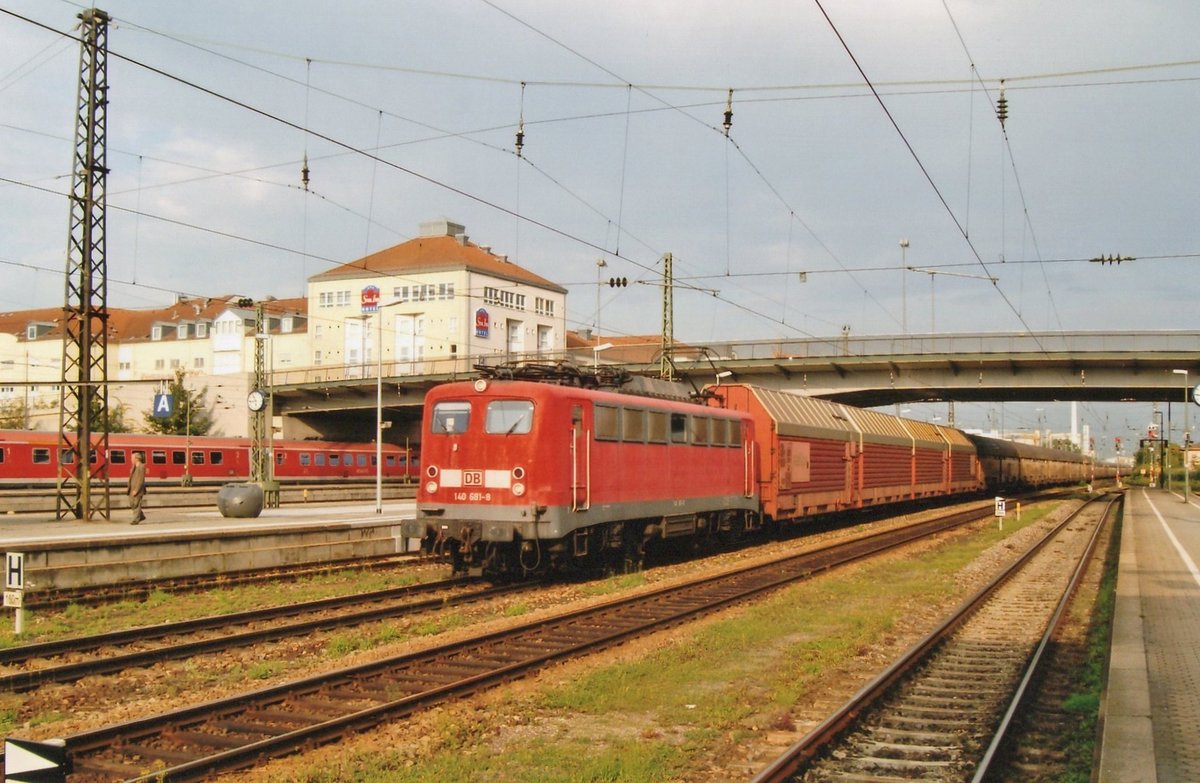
[
  {"x": 174, "y": 363},
  {"x": 156, "y": 333},
  {"x": 317, "y": 358},
  {"x": 181, "y": 332},
  {"x": 160, "y": 364},
  {"x": 285, "y": 325},
  {"x": 198, "y": 363},
  {"x": 544, "y": 306},
  {"x": 202, "y": 330}
]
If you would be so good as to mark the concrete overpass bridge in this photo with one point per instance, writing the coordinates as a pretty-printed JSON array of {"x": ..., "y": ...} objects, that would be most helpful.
[{"x": 868, "y": 371}]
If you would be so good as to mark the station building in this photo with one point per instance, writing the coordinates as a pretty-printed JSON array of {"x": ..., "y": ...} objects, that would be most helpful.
[{"x": 436, "y": 303}]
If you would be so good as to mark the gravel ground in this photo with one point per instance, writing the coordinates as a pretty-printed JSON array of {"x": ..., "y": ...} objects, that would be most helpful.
[{"x": 491, "y": 717}]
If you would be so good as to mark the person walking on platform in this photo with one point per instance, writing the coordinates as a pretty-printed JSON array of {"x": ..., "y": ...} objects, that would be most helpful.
[{"x": 137, "y": 487}]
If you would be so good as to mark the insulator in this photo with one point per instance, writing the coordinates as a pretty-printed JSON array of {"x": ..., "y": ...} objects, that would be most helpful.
[
  {"x": 728, "y": 112},
  {"x": 1002, "y": 106},
  {"x": 304, "y": 172},
  {"x": 618, "y": 282},
  {"x": 520, "y": 137}
]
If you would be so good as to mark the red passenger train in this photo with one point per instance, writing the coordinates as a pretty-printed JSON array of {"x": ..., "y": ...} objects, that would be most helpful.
[
  {"x": 30, "y": 459},
  {"x": 522, "y": 477}
]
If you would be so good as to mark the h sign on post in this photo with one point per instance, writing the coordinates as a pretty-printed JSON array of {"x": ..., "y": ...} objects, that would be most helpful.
[{"x": 14, "y": 571}]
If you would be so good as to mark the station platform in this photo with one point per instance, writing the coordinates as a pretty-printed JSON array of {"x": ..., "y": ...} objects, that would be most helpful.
[
  {"x": 1151, "y": 730},
  {"x": 175, "y": 542}
]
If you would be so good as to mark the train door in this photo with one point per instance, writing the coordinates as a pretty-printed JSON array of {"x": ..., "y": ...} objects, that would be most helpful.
[{"x": 581, "y": 459}]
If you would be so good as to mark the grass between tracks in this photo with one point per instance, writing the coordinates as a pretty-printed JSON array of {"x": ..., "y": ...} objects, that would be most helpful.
[
  {"x": 673, "y": 713},
  {"x": 1084, "y": 702}
]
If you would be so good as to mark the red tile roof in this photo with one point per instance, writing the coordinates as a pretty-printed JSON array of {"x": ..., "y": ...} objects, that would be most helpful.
[{"x": 434, "y": 254}]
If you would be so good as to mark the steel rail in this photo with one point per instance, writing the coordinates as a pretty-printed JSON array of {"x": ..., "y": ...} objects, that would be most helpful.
[
  {"x": 788, "y": 764},
  {"x": 114, "y": 662},
  {"x": 1035, "y": 663},
  {"x": 282, "y": 718}
]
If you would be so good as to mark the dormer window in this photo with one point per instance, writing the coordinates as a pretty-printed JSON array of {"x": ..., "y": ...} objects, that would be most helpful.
[
  {"x": 31, "y": 332},
  {"x": 181, "y": 332},
  {"x": 156, "y": 332},
  {"x": 285, "y": 325},
  {"x": 202, "y": 330}
]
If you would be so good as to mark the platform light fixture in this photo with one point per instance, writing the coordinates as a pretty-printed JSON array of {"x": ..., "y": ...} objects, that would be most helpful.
[{"x": 1187, "y": 435}]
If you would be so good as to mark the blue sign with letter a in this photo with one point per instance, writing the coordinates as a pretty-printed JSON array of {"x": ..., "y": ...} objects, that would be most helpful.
[{"x": 164, "y": 406}]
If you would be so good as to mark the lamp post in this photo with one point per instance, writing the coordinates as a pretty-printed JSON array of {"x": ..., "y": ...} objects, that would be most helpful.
[
  {"x": 379, "y": 427},
  {"x": 1187, "y": 484},
  {"x": 600, "y": 265}
]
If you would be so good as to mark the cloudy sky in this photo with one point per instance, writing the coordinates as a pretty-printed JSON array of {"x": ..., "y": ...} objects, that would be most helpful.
[{"x": 855, "y": 125}]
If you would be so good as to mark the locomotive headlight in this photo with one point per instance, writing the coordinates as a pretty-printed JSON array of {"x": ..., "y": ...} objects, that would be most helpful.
[
  {"x": 431, "y": 487},
  {"x": 518, "y": 473},
  {"x": 518, "y": 489},
  {"x": 481, "y": 385},
  {"x": 431, "y": 471}
]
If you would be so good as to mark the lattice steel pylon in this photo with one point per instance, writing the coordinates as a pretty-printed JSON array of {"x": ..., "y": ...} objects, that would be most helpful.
[
  {"x": 667, "y": 362},
  {"x": 83, "y": 397}
]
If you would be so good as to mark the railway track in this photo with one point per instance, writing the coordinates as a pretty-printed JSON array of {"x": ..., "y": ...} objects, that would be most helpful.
[
  {"x": 139, "y": 589},
  {"x": 198, "y": 741},
  {"x": 942, "y": 711},
  {"x": 29, "y": 666}
]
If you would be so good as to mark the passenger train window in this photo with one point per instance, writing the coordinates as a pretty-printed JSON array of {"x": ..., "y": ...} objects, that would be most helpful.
[
  {"x": 656, "y": 426},
  {"x": 450, "y": 418},
  {"x": 305, "y": 458},
  {"x": 197, "y": 457},
  {"x": 508, "y": 417},
  {"x": 679, "y": 433},
  {"x": 178, "y": 458},
  {"x": 41, "y": 456},
  {"x": 608, "y": 422},
  {"x": 2, "y": 456},
  {"x": 334, "y": 459},
  {"x": 65, "y": 457},
  {"x": 216, "y": 457},
  {"x": 158, "y": 457},
  {"x": 279, "y": 457},
  {"x": 633, "y": 425},
  {"x": 117, "y": 456},
  {"x": 362, "y": 460},
  {"x": 320, "y": 459}
]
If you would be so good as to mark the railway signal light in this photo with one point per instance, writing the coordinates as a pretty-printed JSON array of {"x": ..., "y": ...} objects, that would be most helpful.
[{"x": 618, "y": 282}]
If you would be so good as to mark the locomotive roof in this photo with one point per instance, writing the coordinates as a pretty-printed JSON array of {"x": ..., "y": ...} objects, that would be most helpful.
[{"x": 537, "y": 389}]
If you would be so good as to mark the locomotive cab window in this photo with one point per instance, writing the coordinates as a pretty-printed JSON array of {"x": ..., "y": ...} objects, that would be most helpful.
[
  {"x": 508, "y": 417},
  {"x": 450, "y": 418}
]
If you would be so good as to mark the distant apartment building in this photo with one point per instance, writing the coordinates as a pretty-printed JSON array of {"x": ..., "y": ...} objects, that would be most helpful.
[
  {"x": 443, "y": 303},
  {"x": 211, "y": 341}
]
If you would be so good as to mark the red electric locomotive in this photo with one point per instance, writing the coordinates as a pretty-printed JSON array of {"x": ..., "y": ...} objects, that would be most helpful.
[
  {"x": 522, "y": 477},
  {"x": 30, "y": 459}
]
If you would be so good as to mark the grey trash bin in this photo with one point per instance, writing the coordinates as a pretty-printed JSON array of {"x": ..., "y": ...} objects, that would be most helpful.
[{"x": 240, "y": 500}]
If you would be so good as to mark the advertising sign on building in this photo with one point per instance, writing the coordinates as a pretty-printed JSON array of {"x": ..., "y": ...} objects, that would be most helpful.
[
  {"x": 482, "y": 323},
  {"x": 370, "y": 299}
]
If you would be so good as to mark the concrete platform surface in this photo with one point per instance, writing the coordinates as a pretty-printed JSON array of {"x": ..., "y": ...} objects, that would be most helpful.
[{"x": 1152, "y": 704}]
